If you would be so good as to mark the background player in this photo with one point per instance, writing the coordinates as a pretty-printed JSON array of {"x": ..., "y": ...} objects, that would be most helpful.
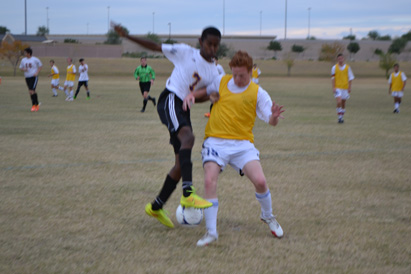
[
  {"x": 145, "y": 75},
  {"x": 31, "y": 66},
  {"x": 83, "y": 78},
  {"x": 341, "y": 78},
  {"x": 55, "y": 78},
  {"x": 193, "y": 69},
  {"x": 255, "y": 74},
  {"x": 397, "y": 82},
  {"x": 70, "y": 77}
]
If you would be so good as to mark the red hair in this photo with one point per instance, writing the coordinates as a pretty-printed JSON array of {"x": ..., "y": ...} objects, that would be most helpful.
[{"x": 241, "y": 59}]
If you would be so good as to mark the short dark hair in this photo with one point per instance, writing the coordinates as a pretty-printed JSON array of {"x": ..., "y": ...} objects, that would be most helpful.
[
  {"x": 396, "y": 65},
  {"x": 81, "y": 60},
  {"x": 29, "y": 51},
  {"x": 143, "y": 57},
  {"x": 210, "y": 31},
  {"x": 340, "y": 54}
]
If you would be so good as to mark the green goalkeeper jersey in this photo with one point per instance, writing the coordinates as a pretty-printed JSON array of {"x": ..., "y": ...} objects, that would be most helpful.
[{"x": 145, "y": 73}]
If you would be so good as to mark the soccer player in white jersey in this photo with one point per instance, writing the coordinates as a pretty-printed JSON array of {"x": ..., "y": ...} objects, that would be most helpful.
[
  {"x": 341, "y": 78},
  {"x": 31, "y": 66},
  {"x": 397, "y": 82},
  {"x": 229, "y": 139},
  {"x": 193, "y": 69},
  {"x": 221, "y": 71},
  {"x": 55, "y": 78},
  {"x": 83, "y": 78}
]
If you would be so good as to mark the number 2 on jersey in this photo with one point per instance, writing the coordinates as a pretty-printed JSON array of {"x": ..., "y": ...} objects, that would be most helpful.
[{"x": 197, "y": 79}]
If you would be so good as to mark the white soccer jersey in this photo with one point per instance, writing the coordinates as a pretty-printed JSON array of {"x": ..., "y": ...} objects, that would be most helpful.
[
  {"x": 264, "y": 102},
  {"x": 220, "y": 69},
  {"x": 32, "y": 64},
  {"x": 83, "y": 72},
  {"x": 191, "y": 71}
]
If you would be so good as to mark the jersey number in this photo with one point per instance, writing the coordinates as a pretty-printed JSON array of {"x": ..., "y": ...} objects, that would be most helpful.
[{"x": 197, "y": 79}]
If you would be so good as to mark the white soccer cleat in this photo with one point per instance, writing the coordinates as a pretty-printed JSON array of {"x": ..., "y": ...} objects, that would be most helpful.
[
  {"x": 207, "y": 239},
  {"x": 275, "y": 227}
]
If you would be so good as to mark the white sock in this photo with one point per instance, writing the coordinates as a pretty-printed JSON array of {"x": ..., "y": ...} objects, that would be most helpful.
[
  {"x": 265, "y": 201},
  {"x": 342, "y": 112},
  {"x": 397, "y": 105},
  {"x": 210, "y": 216},
  {"x": 66, "y": 92},
  {"x": 61, "y": 88},
  {"x": 54, "y": 91}
]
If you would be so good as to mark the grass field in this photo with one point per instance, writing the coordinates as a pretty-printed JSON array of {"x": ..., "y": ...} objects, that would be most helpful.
[{"x": 75, "y": 177}]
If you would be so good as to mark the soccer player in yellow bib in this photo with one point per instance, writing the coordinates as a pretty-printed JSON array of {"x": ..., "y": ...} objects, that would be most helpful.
[
  {"x": 396, "y": 87},
  {"x": 229, "y": 139},
  {"x": 55, "y": 78},
  {"x": 70, "y": 77},
  {"x": 341, "y": 78},
  {"x": 255, "y": 74}
]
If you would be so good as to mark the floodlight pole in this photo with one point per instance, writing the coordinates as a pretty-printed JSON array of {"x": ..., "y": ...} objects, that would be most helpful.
[
  {"x": 261, "y": 20},
  {"x": 169, "y": 31},
  {"x": 25, "y": 17},
  {"x": 108, "y": 18},
  {"x": 285, "y": 21},
  {"x": 47, "y": 9},
  {"x": 153, "y": 21},
  {"x": 309, "y": 10},
  {"x": 223, "y": 17}
]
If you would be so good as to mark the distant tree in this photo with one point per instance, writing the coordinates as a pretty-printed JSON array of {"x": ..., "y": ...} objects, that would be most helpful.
[
  {"x": 353, "y": 48},
  {"x": 113, "y": 38},
  {"x": 42, "y": 30},
  {"x": 397, "y": 45},
  {"x": 13, "y": 52},
  {"x": 374, "y": 35},
  {"x": 387, "y": 61},
  {"x": 328, "y": 52},
  {"x": 349, "y": 37},
  {"x": 297, "y": 48},
  {"x": 378, "y": 51},
  {"x": 153, "y": 37},
  {"x": 311, "y": 38},
  {"x": 170, "y": 41},
  {"x": 407, "y": 36},
  {"x": 289, "y": 61},
  {"x": 385, "y": 38},
  {"x": 275, "y": 46},
  {"x": 223, "y": 50},
  {"x": 3, "y": 30},
  {"x": 70, "y": 41}
]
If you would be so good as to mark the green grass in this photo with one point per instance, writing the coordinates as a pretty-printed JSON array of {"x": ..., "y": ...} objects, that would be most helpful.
[{"x": 75, "y": 177}]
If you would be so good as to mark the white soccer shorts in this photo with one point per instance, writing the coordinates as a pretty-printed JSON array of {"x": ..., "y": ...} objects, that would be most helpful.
[
  {"x": 69, "y": 83},
  {"x": 343, "y": 93},
  {"x": 398, "y": 94}
]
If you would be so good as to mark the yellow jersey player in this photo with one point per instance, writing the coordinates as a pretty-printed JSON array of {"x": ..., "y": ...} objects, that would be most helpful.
[
  {"x": 70, "y": 78},
  {"x": 341, "y": 78},
  {"x": 55, "y": 78},
  {"x": 396, "y": 87},
  {"x": 229, "y": 139}
]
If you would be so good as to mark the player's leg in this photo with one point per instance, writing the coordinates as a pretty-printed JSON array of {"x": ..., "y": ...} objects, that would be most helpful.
[
  {"x": 339, "y": 108},
  {"x": 343, "y": 109},
  {"x": 53, "y": 89},
  {"x": 211, "y": 172},
  {"x": 254, "y": 172},
  {"x": 66, "y": 87},
  {"x": 87, "y": 90},
  {"x": 79, "y": 84}
]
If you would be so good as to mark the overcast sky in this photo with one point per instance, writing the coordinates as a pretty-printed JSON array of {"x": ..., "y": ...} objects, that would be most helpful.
[{"x": 326, "y": 19}]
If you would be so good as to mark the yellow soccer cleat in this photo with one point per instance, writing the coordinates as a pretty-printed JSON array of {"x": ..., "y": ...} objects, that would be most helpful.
[
  {"x": 160, "y": 215},
  {"x": 194, "y": 201}
]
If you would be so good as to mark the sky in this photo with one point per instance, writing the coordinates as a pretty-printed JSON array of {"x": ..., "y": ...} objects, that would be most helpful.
[{"x": 323, "y": 19}]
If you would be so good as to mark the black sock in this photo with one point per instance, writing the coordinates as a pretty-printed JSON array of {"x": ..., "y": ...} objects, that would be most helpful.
[
  {"x": 32, "y": 99},
  {"x": 186, "y": 165},
  {"x": 88, "y": 93},
  {"x": 145, "y": 103},
  {"x": 168, "y": 188},
  {"x": 35, "y": 99}
]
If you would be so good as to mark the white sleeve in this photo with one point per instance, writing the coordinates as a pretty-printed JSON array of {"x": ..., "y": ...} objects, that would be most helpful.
[
  {"x": 21, "y": 64},
  {"x": 264, "y": 104},
  {"x": 175, "y": 52},
  {"x": 215, "y": 85},
  {"x": 333, "y": 71},
  {"x": 404, "y": 77},
  {"x": 85, "y": 68},
  {"x": 390, "y": 79},
  {"x": 74, "y": 69},
  {"x": 55, "y": 70},
  {"x": 350, "y": 74}
]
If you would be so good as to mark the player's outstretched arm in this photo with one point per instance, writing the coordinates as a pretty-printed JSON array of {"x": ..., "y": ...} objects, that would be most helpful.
[{"x": 148, "y": 44}]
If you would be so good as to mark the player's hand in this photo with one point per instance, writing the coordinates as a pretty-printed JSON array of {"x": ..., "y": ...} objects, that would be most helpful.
[
  {"x": 277, "y": 110},
  {"x": 214, "y": 97},
  {"x": 188, "y": 101},
  {"x": 152, "y": 82},
  {"x": 120, "y": 30}
]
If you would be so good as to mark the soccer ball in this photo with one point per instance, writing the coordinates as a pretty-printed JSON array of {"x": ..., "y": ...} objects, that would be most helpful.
[{"x": 189, "y": 216}]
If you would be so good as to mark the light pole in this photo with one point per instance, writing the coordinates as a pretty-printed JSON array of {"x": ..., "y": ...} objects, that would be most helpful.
[
  {"x": 153, "y": 21},
  {"x": 87, "y": 27},
  {"x": 285, "y": 21},
  {"x": 261, "y": 20},
  {"x": 223, "y": 17},
  {"x": 309, "y": 10},
  {"x": 25, "y": 17},
  {"x": 108, "y": 18},
  {"x": 47, "y": 12},
  {"x": 169, "y": 31}
]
